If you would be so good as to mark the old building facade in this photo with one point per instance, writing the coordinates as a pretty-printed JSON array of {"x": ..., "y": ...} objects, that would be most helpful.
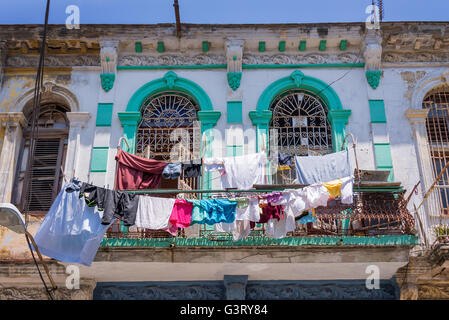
[{"x": 223, "y": 90}]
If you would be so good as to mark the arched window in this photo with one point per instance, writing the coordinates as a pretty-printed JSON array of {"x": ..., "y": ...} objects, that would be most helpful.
[
  {"x": 300, "y": 122},
  {"x": 47, "y": 167},
  {"x": 437, "y": 124},
  {"x": 169, "y": 131}
]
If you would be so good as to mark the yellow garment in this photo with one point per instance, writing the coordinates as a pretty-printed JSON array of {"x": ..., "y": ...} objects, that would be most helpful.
[
  {"x": 334, "y": 188},
  {"x": 284, "y": 167}
]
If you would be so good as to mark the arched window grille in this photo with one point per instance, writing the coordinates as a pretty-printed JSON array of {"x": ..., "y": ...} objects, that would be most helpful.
[
  {"x": 437, "y": 125},
  {"x": 300, "y": 123},
  {"x": 169, "y": 131}
]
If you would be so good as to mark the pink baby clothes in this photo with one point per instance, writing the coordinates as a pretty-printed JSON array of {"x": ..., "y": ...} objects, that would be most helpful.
[{"x": 181, "y": 215}]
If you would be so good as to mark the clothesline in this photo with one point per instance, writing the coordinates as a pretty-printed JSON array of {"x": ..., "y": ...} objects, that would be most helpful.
[{"x": 166, "y": 191}]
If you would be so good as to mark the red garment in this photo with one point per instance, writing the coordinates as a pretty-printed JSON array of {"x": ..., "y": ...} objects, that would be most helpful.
[
  {"x": 135, "y": 172},
  {"x": 270, "y": 212}
]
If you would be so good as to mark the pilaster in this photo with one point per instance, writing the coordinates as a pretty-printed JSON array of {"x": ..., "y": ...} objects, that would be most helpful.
[
  {"x": 130, "y": 121},
  {"x": 338, "y": 120},
  {"x": 417, "y": 119},
  {"x": 77, "y": 121},
  {"x": 208, "y": 120},
  {"x": 13, "y": 123}
]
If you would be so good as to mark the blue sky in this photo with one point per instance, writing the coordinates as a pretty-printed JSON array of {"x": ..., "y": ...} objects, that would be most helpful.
[{"x": 220, "y": 11}]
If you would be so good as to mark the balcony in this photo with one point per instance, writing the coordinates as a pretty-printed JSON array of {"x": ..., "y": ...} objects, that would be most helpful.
[{"x": 378, "y": 217}]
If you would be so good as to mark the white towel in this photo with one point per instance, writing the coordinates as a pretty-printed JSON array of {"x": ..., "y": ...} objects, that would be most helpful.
[
  {"x": 154, "y": 212},
  {"x": 242, "y": 172}
]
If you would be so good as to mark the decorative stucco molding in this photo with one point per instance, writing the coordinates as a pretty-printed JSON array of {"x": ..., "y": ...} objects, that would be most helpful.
[
  {"x": 212, "y": 290},
  {"x": 171, "y": 60},
  {"x": 312, "y": 58},
  {"x": 426, "y": 83},
  {"x": 319, "y": 290},
  {"x": 53, "y": 61},
  {"x": 51, "y": 92},
  {"x": 232, "y": 288},
  {"x": 373, "y": 77}
]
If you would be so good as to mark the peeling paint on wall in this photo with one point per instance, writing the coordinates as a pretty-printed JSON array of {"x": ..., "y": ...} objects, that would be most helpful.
[
  {"x": 13, "y": 88},
  {"x": 411, "y": 78},
  {"x": 16, "y": 85},
  {"x": 14, "y": 245}
]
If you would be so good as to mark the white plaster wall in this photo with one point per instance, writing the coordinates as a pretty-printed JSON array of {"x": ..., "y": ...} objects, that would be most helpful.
[
  {"x": 351, "y": 89},
  {"x": 403, "y": 152},
  {"x": 85, "y": 84}
]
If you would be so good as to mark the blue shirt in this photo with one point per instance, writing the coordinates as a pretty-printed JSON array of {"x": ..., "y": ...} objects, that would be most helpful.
[{"x": 212, "y": 211}]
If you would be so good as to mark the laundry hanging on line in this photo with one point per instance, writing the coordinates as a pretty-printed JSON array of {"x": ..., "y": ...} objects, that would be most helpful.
[
  {"x": 320, "y": 169},
  {"x": 134, "y": 172},
  {"x": 241, "y": 172},
  {"x": 71, "y": 230},
  {"x": 75, "y": 225}
]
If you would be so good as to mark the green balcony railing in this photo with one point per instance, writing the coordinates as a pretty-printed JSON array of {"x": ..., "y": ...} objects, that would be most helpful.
[{"x": 377, "y": 217}]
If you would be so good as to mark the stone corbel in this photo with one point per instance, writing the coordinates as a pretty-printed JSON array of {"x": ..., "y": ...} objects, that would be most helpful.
[
  {"x": 108, "y": 59},
  {"x": 234, "y": 55},
  {"x": 372, "y": 52}
]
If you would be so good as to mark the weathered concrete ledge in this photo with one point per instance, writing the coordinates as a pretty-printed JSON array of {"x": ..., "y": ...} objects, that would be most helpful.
[{"x": 257, "y": 254}]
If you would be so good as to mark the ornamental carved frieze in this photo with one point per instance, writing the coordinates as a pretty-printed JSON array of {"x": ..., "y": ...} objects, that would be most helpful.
[
  {"x": 53, "y": 61},
  {"x": 175, "y": 291},
  {"x": 85, "y": 292},
  {"x": 300, "y": 290},
  {"x": 253, "y": 59},
  {"x": 172, "y": 60}
]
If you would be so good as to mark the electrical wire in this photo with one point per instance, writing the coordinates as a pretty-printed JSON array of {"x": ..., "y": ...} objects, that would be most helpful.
[
  {"x": 359, "y": 57},
  {"x": 35, "y": 115},
  {"x": 35, "y": 133},
  {"x": 38, "y": 269}
]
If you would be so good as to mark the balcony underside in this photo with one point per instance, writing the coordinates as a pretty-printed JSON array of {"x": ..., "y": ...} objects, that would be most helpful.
[{"x": 120, "y": 264}]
